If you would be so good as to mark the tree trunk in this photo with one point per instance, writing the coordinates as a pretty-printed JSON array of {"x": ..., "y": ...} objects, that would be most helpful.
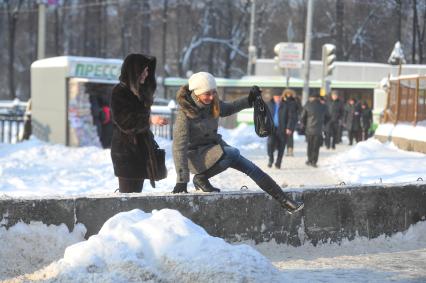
[
  {"x": 146, "y": 25},
  {"x": 399, "y": 19},
  {"x": 212, "y": 33},
  {"x": 413, "y": 44},
  {"x": 12, "y": 17},
  {"x": 57, "y": 24},
  {"x": 164, "y": 39},
  {"x": 339, "y": 28},
  {"x": 421, "y": 36}
]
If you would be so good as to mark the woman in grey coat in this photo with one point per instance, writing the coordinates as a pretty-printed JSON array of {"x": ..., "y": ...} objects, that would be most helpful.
[{"x": 199, "y": 149}]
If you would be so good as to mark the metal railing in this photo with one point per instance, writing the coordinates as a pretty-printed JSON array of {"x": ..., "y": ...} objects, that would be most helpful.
[
  {"x": 167, "y": 130},
  {"x": 11, "y": 128}
]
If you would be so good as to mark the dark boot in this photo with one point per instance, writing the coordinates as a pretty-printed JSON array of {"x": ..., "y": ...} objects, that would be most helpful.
[
  {"x": 201, "y": 182},
  {"x": 271, "y": 187}
]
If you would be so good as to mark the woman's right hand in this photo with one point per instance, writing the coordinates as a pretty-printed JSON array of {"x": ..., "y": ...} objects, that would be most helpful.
[
  {"x": 180, "y": 188},
  {"x": 159, "y": 120}
]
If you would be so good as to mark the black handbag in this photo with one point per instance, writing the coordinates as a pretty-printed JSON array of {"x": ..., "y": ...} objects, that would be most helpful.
[
  {"x": 160, "y": 171},
  {"x": 262, "y": 117}
]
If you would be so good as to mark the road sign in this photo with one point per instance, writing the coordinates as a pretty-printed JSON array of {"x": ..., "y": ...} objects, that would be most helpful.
[{"x": 290, "y": 55}]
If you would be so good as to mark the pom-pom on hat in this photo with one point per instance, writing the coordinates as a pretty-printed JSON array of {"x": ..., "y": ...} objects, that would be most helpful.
[{"x": 201, "y": 82}]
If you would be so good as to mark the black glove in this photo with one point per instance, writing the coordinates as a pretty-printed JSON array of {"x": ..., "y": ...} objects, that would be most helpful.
[
  {"x": 180, "y": 188},
  {"x": 254, "y": 92}
]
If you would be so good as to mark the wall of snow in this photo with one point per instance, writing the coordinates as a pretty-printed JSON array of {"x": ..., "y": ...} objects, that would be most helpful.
[
  {"x": 330, "y": 214},
  {"x": 405, "y": 136}
]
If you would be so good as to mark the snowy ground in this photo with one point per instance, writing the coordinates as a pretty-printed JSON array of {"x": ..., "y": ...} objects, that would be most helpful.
[
  {"x": 60, "y": 170},
  {"x": 164, "y": 246},
  {"x": 36, "y": 168}
]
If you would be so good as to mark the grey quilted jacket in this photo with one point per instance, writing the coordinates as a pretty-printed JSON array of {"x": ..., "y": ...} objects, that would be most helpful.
[{"x": 196, "y": 144}]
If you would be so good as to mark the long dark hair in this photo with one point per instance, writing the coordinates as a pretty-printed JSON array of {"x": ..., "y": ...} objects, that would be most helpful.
[{"x": 131, "y": 71}]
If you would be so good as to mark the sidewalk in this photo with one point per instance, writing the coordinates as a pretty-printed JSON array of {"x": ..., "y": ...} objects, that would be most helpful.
[{"x": 294, "y": 172}]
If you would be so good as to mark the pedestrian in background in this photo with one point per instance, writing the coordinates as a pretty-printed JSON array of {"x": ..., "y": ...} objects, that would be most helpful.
[
  {"x": 335, "y": 109},
  {"x": 366, "y": 120},
  {"x": 132, "y": 140},
  {"x": 314, "y": 117},
  {"x": 200, "y": 149},
  {"x": 285, "y": 117},
  {"x": 353, "y": 120},
  {"x": 291, "y": 102}
]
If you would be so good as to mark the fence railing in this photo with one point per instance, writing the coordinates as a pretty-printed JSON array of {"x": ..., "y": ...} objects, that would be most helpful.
[
  {"x": 11, "y": 128},
  {"x": 406, "y": 100},
  {"x": 167, "y": 130}
]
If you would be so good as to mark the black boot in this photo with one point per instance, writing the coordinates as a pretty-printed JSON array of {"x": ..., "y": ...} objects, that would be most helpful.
[
  {"x": 201, "y": 182},
  {"x": 271, "y": 187}
]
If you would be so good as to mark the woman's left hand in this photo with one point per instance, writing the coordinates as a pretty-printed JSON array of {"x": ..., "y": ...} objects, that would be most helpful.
[{"x": 159, "y": 120}]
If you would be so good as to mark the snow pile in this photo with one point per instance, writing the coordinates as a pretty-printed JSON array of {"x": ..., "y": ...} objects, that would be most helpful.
[
  {"x": 28, "y": 247},
  {"x": 373, "y": 162},
  {"x": 403, "y": 130},
  {"x": 162, "y": 246},
  {"x": 61, "y": 170}
]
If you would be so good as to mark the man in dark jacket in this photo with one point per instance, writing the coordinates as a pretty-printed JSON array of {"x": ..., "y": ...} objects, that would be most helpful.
[
  {"x": 366, "y": 120},
  {"x": 335, "y": 109},
  {"x": 314, "y": 116},
  {"x": 353, "y": 120},
  {"x": 285, "y": 117}
]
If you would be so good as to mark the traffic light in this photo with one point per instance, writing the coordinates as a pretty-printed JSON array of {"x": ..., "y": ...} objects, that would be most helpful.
[
  {"x": 278, "y": 58},
  {"x": 328, "y": 58}
]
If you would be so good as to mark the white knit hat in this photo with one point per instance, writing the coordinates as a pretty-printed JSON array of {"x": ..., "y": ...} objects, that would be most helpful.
[{"x": 201, "y": 82}]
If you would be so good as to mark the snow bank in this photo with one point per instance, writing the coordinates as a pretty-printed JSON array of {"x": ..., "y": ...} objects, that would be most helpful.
[
  {"x": 162, "y": 246},
  {"x": 373, "y": 162},
  {"x": 403, "y": 130},
  {"x": 28, "y": 247},
  {"x": 36, "y": 168}
]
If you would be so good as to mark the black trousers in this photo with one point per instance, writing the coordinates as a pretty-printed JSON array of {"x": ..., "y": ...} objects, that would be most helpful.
[
  {"x": 130, "y": 185},
  {"x": 276, "y": 141},
  {"x": 332, "y": 135},
  {"x": 354, "y": 134},
  {"x": 290, "y": 141},
  {"x": 365, "y": 134},
  {"x": 314, "y": 143}
]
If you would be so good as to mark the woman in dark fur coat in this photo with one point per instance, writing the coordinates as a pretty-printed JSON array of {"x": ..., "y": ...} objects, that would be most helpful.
[
  {"x": 200, "y": 149},
  {"x": 132, "y": 139}
]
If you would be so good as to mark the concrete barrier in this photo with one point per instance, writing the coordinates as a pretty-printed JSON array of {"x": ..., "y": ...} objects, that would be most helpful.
[
  {"x": 404, "y": 144},
  {"x": 332, "y": 213}
]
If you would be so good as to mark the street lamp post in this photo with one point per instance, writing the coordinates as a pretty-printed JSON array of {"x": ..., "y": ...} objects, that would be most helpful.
[
  {"x": 251, "y": 48},
  {"x": 41, "y": 39},
  {"x": 307, "y": 52}
]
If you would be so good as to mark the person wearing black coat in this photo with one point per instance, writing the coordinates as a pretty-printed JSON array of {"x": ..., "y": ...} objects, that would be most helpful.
[
  {"x": 285, "y": 118},
  {"x": 335, "y": 109},
  {"x": 353, "y": 120},
  {"x": 314, "y": 117},
  {"x": 366, "y": 120},
  {"x": 132, "y": 139},
  {"x": 101, "y": 113},
  {"x": 290, "y": 98}
]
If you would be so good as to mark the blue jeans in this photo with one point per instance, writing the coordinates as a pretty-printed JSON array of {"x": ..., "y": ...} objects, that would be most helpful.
[{"x": 232, "y": 158}]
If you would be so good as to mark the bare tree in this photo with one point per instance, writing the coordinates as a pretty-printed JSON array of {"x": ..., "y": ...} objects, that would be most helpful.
[
  {"x": 146, "y": 27},
  {"x": 12, "y": 8},
  {"x": 164, "y": 38},
  {"x": 339, "y": 28}
]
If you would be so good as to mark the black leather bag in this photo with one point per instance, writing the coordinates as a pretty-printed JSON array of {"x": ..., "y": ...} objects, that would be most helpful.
[
  {"x": 262, "y": 117},
  {"x": 160, "y": 171}
]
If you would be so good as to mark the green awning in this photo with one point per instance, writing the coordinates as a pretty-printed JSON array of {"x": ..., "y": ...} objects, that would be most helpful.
[{"x": 268, "y": 82}]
